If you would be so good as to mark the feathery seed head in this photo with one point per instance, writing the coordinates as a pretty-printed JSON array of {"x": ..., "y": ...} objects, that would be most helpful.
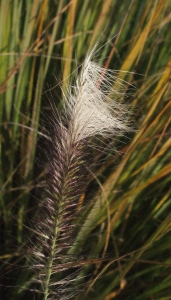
[{"x": 90, "y": 109}]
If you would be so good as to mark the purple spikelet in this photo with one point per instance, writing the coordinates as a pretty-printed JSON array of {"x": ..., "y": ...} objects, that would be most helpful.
[{"x": 88, "y": 112}]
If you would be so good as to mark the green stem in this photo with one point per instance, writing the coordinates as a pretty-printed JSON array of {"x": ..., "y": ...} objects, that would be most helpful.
[{"x": 51, "y": 258}]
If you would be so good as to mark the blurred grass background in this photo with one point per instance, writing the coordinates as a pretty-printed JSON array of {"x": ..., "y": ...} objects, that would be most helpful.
[{"x": 41, "y": 44}]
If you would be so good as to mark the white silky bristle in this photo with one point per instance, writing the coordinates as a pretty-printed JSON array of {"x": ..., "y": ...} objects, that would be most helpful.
[{"x": 91, "y": 110}]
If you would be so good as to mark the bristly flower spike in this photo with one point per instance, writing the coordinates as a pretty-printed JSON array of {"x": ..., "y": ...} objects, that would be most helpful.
[{"x": 89, "y": 111}]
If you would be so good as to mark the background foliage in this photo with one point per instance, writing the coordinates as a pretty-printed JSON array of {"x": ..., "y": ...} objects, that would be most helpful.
[{"x": 42, "y": 43}]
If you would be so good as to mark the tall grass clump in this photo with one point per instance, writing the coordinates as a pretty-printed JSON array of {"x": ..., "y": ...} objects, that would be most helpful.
[{"x": 85, "y": 201}]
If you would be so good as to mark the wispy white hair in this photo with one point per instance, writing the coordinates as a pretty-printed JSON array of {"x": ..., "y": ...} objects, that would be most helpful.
[{"x": 90, "y": 106}]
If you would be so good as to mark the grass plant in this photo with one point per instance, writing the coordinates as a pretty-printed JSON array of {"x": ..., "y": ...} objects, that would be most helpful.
[{"x": 120, "y": 242}]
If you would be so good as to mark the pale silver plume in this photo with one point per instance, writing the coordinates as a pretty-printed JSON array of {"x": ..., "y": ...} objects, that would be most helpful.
[{"x": 90, "y": 106}]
